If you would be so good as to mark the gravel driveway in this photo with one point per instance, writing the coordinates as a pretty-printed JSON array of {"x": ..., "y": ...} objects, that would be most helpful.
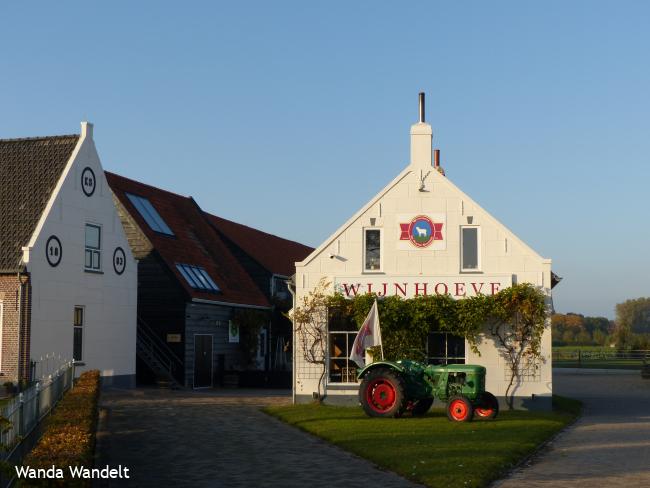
[{"x": 609, "y": 446}]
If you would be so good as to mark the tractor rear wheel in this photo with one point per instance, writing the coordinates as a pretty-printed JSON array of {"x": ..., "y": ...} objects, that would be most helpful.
[
  {"x": 460, "y": 409},
  {"x": 488, "y": 409},
  {"x": 421, "y": 406},
  {"x": 382, "y": 393}
]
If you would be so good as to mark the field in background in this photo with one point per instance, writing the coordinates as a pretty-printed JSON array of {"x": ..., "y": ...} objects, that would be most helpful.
[
  {"x": 584, "y": 348},
  {"x": 598, "y": 357}
]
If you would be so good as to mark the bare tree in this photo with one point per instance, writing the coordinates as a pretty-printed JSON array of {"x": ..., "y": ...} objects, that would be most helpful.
[
  {"x": 517, "y": 324},
  {"x": 310, "y": 323}
]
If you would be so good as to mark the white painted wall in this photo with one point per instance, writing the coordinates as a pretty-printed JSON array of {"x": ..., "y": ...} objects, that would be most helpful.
[
  {"x": 109, "y": 299},
  {"x": 504, "y": 258}
]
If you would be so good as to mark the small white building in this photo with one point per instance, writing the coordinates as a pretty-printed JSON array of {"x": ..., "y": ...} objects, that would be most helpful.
[
  {"x": 422, "y": 235},
  {"x": 68, "y": 280}
]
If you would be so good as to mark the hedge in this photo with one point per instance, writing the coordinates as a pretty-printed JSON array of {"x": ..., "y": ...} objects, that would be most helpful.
[{"x": 69, "y": 434}]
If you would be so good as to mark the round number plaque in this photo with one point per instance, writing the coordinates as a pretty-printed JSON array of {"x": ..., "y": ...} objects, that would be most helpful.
[
  {"x": 119, "y": 260},
  {"x": 88, "y": 181},
  {"x": 53, "y": 251}
]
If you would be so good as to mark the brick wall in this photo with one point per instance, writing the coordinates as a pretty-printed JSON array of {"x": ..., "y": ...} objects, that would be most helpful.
[
  {"x": 140, "y": 246},
  {"x": 15, "y": 343}
]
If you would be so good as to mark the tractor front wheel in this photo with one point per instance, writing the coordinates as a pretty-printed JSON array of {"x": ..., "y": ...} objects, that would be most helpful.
[
  {"x": 421, "y": 406},
  {"x": 383, "y": 393},
  {"x": 488, "y": 409},
  {"x": 460, "y": 409}
]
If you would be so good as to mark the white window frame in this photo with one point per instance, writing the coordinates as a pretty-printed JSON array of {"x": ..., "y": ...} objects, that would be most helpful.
[
  {"x": 92, "y": 249},
  {"x": 351, "y": 335},
  {"x": 381, "y": 250},
  {"x": 349, "y": 361},
  {"x": 479, "y": 263},
  {"x": 81, "y": 327}
]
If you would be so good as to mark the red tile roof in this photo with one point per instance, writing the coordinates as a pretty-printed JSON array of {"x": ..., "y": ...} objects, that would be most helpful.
[
  {"x": 195, "y": 242},
  {"x": 274, "y": 253}
]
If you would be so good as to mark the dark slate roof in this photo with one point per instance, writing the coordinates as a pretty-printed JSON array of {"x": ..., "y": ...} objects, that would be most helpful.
[
  {"x": 29, "y": 170},
  {"x": 274, "y": 253},
  {"x": 195, "y": 242},
  {"x": 555, "y": 279}
]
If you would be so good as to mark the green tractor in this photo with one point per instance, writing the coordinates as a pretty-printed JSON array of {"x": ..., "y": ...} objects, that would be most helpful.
[{"x": 390, "y": 388}]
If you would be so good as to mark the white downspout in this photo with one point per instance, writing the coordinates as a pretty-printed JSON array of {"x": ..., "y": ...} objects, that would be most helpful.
[{"x": 291, "y": 286}]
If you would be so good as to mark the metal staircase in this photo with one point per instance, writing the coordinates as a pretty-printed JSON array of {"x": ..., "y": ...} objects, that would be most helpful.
[{"x": 158, "y": 356}]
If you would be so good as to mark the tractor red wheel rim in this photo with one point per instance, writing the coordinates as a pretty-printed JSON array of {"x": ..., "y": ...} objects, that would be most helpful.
[
  {"x": 484, "y": 412},
  {"x": 458, "y": 410},
  {"x": 381, "y": 395}
]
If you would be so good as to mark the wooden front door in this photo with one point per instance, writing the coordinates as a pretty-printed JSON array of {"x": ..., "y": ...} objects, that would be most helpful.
[{"x": 202, "y": 360}]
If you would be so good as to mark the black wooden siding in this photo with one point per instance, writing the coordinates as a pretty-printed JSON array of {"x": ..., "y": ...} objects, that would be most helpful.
[
  {"x": 165, "y": 307},
  {"x": 161, "y": 299},
  {"x": 212, "y": 320}
]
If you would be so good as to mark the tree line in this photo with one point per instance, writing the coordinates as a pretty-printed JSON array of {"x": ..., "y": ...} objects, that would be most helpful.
[{"x": 630, "y": 329}]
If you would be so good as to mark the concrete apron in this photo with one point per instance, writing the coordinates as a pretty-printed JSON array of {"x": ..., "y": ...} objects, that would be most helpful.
[{"x": 608, "y": 446}]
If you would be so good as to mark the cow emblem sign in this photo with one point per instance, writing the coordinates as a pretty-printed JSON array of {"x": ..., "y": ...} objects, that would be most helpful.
[{"x": 422, "y": 231}]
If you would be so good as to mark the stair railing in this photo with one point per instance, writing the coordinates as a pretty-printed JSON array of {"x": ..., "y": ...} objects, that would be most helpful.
[{"x": 157, "y": 354}]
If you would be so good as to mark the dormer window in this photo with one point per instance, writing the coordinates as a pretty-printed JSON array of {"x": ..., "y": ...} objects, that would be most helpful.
[
  {"x": 198, "y": 278},
  {"x": 279, "y": 287},
  {"x": 149, "y": 214}
]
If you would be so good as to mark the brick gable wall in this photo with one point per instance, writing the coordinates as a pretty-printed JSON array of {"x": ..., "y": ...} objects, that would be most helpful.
[{"x": 15, "y": 344}]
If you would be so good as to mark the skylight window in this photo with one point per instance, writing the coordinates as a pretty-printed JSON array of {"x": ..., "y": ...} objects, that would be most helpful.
[
  {"x": 197, "y": 277},
  {"x": 149, "y": 214}
]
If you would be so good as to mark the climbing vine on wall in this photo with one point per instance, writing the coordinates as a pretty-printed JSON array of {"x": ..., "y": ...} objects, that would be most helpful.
[
  {"x": 516, "y": 322},
  {"x": 406, "y": 323},
  {"x": 514, "y": 318}
]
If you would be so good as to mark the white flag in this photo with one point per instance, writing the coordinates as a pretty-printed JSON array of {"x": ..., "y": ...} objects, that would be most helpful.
[{"x": 369, "y": 335}]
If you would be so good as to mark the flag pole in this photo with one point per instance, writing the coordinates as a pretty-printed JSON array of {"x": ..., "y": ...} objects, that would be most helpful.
[
  {"x": 381, "y": 343},
  {"x": 368, "y": 335}
]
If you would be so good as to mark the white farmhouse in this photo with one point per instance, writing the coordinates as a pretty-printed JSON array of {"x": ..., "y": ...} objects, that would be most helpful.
[
  {"x": 422, "y": 235},
  {"x": 68, "y": 280}
]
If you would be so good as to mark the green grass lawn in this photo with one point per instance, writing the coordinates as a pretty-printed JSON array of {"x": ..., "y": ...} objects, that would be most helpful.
[{"x": 431, "y": 449}]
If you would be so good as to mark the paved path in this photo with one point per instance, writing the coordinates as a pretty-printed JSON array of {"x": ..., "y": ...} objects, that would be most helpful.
[
  {"x": 609, "y": 446},
  {"x": 220, "y": 439}
]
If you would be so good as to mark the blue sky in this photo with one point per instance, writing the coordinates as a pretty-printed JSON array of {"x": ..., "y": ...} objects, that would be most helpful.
[{"x": 289, "y": 116}]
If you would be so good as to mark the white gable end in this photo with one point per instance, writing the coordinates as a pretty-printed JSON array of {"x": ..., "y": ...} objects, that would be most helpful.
[
  {"x": 421, "y": 235},
  {"x": 64, "y": 276},
  {"x": 500, "y": 251}
]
